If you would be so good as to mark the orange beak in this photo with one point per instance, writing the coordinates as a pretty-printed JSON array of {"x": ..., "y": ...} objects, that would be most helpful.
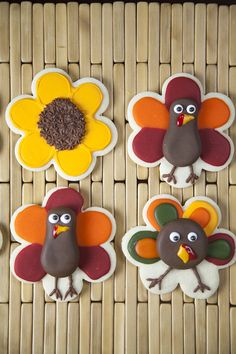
[
  {"x": 186, "y": 253},
  {"x": 184, "y": 119},
  {"x": 58, "y": 229}
]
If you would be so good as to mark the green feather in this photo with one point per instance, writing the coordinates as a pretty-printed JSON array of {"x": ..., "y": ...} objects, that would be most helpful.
[
  {"x": 165, "y": 213},
  {"x": 219, "y": 249}
]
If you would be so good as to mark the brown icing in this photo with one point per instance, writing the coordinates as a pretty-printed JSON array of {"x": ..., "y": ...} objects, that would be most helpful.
[
  {"x": 182, "y": 143},
  {"x": 181, "y": 244},
  {"x": 201, "y": 286},
  {"x": 168, "y": 250},
  {"x": 158, "y": 281},
  {"x": 71, "y": 290},
  {"x": 60, "y": 254},
  {"x": 62, "y": 124},
  {"x": 56, "y": 291}
]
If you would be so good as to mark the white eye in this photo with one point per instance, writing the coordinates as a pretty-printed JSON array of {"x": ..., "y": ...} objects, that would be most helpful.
[
  {"x": 191, "y": 109},
  {"x": 53, "y": 218},
  {"x": 65, "y": 218},
  {"x": 178, "y": 108},
  {"x": 192, "y": 236},
  {"x": 174, "y": 236}
]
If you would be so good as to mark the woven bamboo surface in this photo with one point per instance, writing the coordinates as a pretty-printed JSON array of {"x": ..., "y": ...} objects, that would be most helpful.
[{"x": 131, "y": 48}]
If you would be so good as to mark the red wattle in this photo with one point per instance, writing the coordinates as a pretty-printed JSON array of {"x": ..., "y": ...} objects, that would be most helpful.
[
  {"x": 180, "y": 120},
  {"x": 190, "y": 251},
  {"x": 55, "y": 231}
]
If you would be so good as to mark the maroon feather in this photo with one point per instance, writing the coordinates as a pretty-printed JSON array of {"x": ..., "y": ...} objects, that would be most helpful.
[
  {"x": 66, "y": 197},
  {"x": 182, "y": 87},
  {"x": 27, "y": 265},
  {"x": 94, "y": 261},
  {"x": 147, "y": 144},
  {"x": 215, "y": 147}
]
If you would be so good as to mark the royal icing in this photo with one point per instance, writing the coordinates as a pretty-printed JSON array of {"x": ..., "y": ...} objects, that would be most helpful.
[
  {"x": 61, "y": 244},
  {"x": 181, "y": 130},
  {"x": 180, "y": 246}
]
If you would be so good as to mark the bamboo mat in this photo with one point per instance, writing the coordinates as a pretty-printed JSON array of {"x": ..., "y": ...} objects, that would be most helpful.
[{"x": 131, "y": 48}]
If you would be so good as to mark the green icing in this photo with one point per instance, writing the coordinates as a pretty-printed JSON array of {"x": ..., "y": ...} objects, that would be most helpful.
[
  {"x": 140, "y": 235},
  {"x": 219, "y": 249},
  {"x": 165, "y": 213}
]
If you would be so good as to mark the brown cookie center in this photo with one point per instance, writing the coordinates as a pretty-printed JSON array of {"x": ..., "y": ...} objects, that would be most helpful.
[{"x": 62, "y": 124}]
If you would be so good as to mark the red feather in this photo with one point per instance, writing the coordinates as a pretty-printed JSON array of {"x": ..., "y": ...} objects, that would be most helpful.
[
  {"x": 66, "y": 197},
  {"x": 94, "y": 261},
  {"x": 215, "y": 147},
  {"x": 147, "y": 144},
  {"x": 182, "y": 87},
  {"x": 27, "y": 265}
]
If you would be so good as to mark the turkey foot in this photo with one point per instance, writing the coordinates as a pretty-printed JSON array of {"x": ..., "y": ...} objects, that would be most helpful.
[
  {"x": 56, "y": 291},
  {"x": 71, "y": 291},
  {"x": 170, "y": 176},
  {"x": 201, "y": 286},
  {"x": 192, "y": 177},
  {"x": 155, "y": 281}
]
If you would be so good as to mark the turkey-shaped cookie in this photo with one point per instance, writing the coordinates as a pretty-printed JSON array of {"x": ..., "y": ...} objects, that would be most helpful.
[
  {"x": 180, "y": 245},
  {"x": 182, "y": 130},
  {"x": 61, "y": 244}
]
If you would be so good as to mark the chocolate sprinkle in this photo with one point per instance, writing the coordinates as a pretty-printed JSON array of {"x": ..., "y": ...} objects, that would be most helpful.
[{"x": 62, "y": 124}]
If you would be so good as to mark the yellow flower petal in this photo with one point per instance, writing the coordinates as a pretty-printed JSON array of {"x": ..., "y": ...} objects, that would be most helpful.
[
  {"x": 88, "y": 98},
  {"x": 74, "y": 162},
  {"x": 98, "y": 135},
  {"x": 34, "y": 152},
  {"x": 52, "y": 85},
  {"x": 24, "y": 114}
]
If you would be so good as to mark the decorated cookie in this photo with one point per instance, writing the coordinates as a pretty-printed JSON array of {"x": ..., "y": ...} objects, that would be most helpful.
[
  {"x": 62, "y": 244},
  {"x": 61, "y": 124},
  {"x": 180, "y": 245},
  {"x": 182, "y": 130},
  {"x": 1, "y": 240}
]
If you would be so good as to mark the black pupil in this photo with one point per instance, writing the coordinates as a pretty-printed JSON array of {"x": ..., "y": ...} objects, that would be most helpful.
[
  {"x": 176, "y": 238},
  {"x": 179, "y": 109},
  {"x": 191, "y": 109},
  {"x": 54, "y": 217},
  {"x": 67, "y": 217},
  {"x": 193, "y": 237}
]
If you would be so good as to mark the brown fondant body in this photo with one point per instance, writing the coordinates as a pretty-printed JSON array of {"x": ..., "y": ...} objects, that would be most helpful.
[
  {"x": 182, "y": 144},
  {"x": 168, "y": 250},
  {"x": 60, "y": 255}
]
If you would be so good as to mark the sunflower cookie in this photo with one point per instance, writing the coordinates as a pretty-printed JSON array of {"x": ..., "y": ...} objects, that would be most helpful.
[{"x": 62, "y": 124}]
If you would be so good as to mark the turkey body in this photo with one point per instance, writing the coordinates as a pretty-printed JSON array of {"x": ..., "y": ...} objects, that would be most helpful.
[
  {"x": 182, "y": 145},
  {"x": 60, "y": 255}
]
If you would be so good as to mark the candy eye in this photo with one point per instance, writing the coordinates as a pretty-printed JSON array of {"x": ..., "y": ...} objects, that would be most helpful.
[
  {"x": 178, "y": 108},
  {"x": 53, "y": 218},
  {"x": 174, "y": 236},
  {"x": 65, "y": 218},
  {"x": 191, "y": 109},
  {"x": 192, "y": 236}
]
